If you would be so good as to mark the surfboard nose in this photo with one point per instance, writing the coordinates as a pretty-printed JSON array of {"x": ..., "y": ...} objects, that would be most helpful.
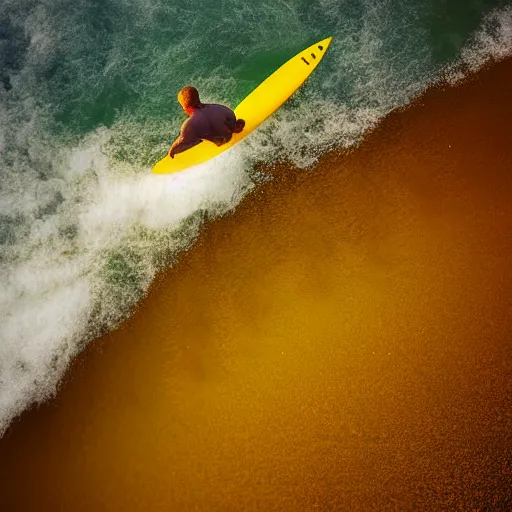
[{"x": 323, "y": 44}]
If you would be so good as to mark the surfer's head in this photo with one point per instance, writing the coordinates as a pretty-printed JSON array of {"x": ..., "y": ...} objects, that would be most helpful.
[{"x": 188, "y": 98}]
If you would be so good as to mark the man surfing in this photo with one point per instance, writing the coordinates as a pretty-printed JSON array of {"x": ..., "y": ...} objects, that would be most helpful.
[{"x": 207, "y": 121}]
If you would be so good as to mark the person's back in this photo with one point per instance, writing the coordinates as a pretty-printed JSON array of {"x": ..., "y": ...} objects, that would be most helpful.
[{"x": 210, "y": 121}]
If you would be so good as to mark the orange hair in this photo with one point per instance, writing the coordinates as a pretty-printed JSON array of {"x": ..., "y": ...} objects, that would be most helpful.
[{"x": 188, "y": 97}]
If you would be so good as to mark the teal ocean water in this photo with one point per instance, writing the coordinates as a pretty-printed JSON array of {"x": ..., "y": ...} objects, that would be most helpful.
[{"x": 88, "y": 104}]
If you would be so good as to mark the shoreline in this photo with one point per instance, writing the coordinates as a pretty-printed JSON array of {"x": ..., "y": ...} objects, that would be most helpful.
[{"x": 339, "y": 342}]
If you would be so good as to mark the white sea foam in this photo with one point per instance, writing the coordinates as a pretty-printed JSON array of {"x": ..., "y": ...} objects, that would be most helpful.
[
  {"x": 91, "y": 254},
  {"x": 493, "y": 42}
]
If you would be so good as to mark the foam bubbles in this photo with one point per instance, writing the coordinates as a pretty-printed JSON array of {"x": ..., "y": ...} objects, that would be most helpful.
[
  {"x": 92, "y": 244},
  {"x": 493, "y": 42}
]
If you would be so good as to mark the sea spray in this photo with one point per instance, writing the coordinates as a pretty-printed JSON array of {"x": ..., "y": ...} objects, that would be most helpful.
[{"x": 89, "y": 256}]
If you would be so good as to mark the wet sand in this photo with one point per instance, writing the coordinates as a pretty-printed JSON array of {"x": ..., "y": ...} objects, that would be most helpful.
[{"x": 343, "y": 341}]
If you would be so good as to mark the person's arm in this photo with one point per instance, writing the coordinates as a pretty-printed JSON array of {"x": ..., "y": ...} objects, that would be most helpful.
[
  {"x": 230, "y": 120},
  {"x": 234, "y": 125},
  {"x": 187, "y": 139}
]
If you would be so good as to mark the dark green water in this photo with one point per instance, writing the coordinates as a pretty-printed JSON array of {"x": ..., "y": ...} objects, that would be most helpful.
[
  {"x": 88, "y": 103},
  {"x": 94, "y": 61}
]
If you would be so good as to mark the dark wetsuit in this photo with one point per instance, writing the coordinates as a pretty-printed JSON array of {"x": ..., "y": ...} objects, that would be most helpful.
[{"x": 212, "y": 122}]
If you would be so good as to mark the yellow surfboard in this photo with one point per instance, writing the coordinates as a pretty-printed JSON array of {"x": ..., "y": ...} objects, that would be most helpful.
[{"x": 255, "y": 108}]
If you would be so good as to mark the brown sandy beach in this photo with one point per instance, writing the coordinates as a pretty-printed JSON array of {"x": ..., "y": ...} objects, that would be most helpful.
[{"x": 343, "y": 341}]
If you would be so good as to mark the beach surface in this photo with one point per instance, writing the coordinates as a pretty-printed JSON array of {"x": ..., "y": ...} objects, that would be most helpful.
[{"x": 342, "y": 341}]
